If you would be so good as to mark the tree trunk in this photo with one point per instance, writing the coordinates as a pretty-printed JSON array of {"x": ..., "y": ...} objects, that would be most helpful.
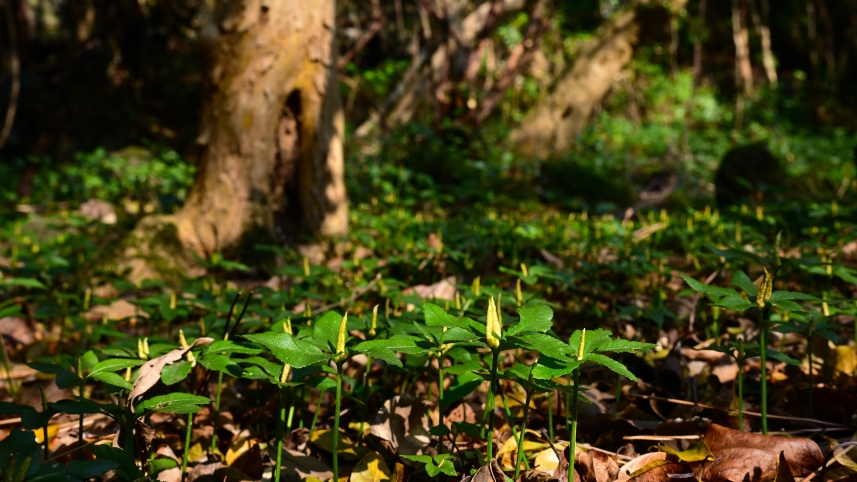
[
  {"x": 555, "y": 121},
  {"x": 741, "y": 38},
  {"x": 272, "y": 133},
  {"x": 762, "y": 24}
]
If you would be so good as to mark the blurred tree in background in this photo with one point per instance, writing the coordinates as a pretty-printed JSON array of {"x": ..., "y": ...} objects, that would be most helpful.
[{"x": 612, "y": 103}]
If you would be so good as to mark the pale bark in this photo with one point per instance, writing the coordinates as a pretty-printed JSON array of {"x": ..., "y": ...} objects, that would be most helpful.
[
  {"x": 553, "y": 123},
  {"x": 272, "y": 133},
  {"x": 763, "y": 30},
  {"x": 741, "y": 38}
]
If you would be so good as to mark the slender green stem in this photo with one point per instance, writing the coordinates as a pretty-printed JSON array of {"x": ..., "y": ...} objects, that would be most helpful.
[
  {"x": 809, "y": 356},
  {"x": 217, "y": 409},
  {"x": 13, "y": 391},
  {"x": 440, "y": 399},
  {"x": 567, "y": 405},
  {"x": 281, "y": 421},
  {"x": 315, "y": 415},
  {"x": 80, "y": 435},
  {"x": 489, "y": 403},
  {"x": 301, "y": 397},
  {"x": 618, "y": 388},
  {"x": 290, "y": 417},
  {"x": 740, "y": 394},
  {"x": 366, "y": 396},
  {"x": 336, "y": 422},
  {"x": 509, "y": 420},
  {"x": 550, "y": 416},
  {"x": 763, "y": 348},
  {"x": 524, "y": 427},
  {"x": 573, "y": 437},
  {"x": 188, "y": 432},
  {"x": 428, "y": 388},
  {"x": 45, "y": 426}
]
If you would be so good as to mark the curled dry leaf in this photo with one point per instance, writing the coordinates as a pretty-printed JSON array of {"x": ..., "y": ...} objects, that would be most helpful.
[
  {"x": 638, "y": 463},
  {"x": 739, "y": 454},
  {"x": 403, "y": 426},
  {"x": 488, "y": 473},
  {"x": 150, "y": 372}
]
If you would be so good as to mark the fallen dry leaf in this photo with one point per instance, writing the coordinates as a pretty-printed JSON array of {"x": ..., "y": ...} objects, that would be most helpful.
[
  {"x": 638, "y": 463},
  {"x": 150, "y": 372},
  {"x": 217, "y": 472},
  {"x": 547, "y": 460},
  {"x": 488, "y": 473},
  {"x": 118, "y": 310},
  {"x": 172, "y": 475},
  {"x": 402, "y": 424},
  {"x": 665, "y": 470},
  {"x": 442, "y": 290},
  {"x": 298, "y": 466},
  {"x": 595, "y": 466},
  {"x": 784, "y": 474},
  {"x": 741, "y": 454}
]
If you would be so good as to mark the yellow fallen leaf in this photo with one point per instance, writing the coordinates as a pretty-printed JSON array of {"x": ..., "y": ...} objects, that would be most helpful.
[
  {"x": 529, "y": 446},
  {"x": 371, "y": 468},
  {"x": 324, "y": 440},
  {"x": 53, "y": 429},
  {"x": 356, "y": 427},
  {"x": 235, "y": 450},
  {"x": 546, "y": 460},
  {"x": 845, "y": 359}
]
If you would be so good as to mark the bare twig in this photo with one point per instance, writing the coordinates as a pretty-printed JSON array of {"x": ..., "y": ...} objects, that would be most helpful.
[
  {"x": 378, "y": 21},
  {"x": 517, "y": 61},
  {"x": 753, "y": 414},
  {"x": 692, "y": 317}
]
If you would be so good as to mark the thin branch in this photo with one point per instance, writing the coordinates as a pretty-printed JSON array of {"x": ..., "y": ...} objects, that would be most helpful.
[{"x": 518, "y": 59}]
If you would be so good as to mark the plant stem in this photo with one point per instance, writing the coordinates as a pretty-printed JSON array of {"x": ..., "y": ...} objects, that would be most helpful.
[
  {"x": 189, "y": 430},
  {"x": 315, "y": 415},
  {"x": 573, "y": 437},
  {"x": 489, "y": 403},
  {"x": 510, "y": 421},
  {"x": 216, "y": 410},
  {"x": 567, "y": 405},
  {"x": 524, "y": 427},
  {"x": 368, "y": 393},
  {"x": 80, "y": 436},
  {"x": 809, "y": 356},
  {"x": 301, "y": 398},
  {"x": 550, "y": 416},
  {"x": 741, "y": 394},
  {"x": 290, "y": 418},
  {"x": 281, "y": 421},
  {"x": 763, "y": 348},
  {"x": 13, "y": 391},
  {"x": 336, "y": 422},
  {"x": 440, "y": 399},
  {"x": 187, "y": 445}
]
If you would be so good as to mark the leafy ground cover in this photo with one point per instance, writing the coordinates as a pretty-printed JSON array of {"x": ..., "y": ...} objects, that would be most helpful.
[{"x": 433, "y": 346}]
